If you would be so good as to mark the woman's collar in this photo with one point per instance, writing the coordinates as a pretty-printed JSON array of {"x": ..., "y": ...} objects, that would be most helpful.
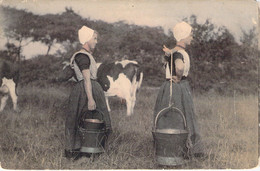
[
  {"x": 89, "y": 51},
  {"x": 181, "y": 46}
]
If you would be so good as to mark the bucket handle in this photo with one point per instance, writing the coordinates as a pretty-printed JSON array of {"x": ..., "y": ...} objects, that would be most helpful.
[
  {"x": 160, "y": 113},
  {"x": 98, "y": 111}
]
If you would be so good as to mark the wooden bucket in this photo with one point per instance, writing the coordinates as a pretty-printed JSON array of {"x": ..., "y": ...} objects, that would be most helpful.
[{"x": 170, "y": 144}]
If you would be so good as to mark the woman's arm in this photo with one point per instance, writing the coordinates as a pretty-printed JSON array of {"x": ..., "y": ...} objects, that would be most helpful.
[
  {"x": 88, "y": 89},
  {"x": 179, "y": 69}
]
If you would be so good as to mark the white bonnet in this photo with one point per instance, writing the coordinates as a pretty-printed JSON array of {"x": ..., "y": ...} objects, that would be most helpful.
[
  {"x": 85, "y": 34},
  {"x": 181, "y": 30}
]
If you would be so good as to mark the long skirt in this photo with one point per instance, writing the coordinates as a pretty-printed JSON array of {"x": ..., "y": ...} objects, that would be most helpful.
[
  {"x": 78, "y": 105},
  {"x": 182, "y": 100}
]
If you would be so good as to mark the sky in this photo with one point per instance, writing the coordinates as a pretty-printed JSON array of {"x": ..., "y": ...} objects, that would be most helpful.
[{"x": 233, "y": 14}]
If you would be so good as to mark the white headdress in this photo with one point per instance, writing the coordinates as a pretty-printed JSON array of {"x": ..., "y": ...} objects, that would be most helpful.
[
  {"x": 85, "y": 34},
  {"x": 181, "y": 30}
]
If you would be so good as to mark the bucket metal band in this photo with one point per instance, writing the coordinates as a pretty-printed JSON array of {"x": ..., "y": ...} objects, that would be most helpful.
[
  {"x": 171, "y": 131},
  {"x": 170, "y": 161},
  {"x": 94, "y": 121},
  {"x": 91, "y": 130},
  {"x": 92, "y": 149}
]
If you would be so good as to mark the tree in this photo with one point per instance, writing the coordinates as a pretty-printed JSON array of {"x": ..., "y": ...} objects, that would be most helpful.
[
  {"x": 17, "y": 26},
  {"x": 53, "y": 29}
]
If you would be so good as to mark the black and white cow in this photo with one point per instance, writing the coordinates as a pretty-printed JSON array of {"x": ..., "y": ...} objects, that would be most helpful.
[
  {"x": 9, "y": 76},
  {"x": 120, "y": 78}
]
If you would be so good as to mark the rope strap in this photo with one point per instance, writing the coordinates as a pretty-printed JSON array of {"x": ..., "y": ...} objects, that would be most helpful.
[{"x": 171, "y": 80}]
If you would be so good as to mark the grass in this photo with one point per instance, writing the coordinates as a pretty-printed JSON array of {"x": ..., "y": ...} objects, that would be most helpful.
[{"x": 34, "y": 138}]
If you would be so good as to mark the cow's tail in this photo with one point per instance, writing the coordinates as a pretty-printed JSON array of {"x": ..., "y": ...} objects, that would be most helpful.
[{"x": 139, "y": 78}]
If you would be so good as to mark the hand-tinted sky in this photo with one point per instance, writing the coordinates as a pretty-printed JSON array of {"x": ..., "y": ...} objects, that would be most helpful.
[{"x": 234, "y": 14}]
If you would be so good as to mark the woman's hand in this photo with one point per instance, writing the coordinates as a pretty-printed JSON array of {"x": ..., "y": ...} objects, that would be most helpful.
[
  {"x": 166, "y": 50},
  {"x": 175, "y": 79},
  {"x": 91, "y": 104}
]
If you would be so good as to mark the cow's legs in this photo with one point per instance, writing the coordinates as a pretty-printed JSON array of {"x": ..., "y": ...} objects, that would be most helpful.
[
  {"x": 3, "y": 90},
  {"x": 134, "y": 87},
  {"x": 128, "y": 98},
  {"x": 13, "y": 96},
  {"x": 133, "y": 105},
  {"x": 3, "y": 102},
  {"x": 128, "y": 106},
  {"x": 133, "y": 99},
  {"x": 10, "y": 84},
  {"x": 108, "y": 107}
]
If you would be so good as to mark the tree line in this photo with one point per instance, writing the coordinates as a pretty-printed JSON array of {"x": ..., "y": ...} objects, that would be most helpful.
[{"x": 218, "y": 62}]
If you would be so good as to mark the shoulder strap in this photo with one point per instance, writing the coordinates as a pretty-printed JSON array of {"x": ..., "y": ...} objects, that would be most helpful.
[{"x": 72, "y": 59}]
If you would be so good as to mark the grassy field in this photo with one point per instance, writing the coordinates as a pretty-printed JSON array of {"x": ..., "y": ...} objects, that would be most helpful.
[{"x": 34, "y": 138}]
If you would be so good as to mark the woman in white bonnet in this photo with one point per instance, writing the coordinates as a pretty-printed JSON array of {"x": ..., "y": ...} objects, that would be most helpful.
[
  {"x": 87, "y": 94},
  {"x": 181, "y": 93}
]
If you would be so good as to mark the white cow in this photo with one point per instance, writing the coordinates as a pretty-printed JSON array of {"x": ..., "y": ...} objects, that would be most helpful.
[
  {"x": 121, "y": 79},
  {"x": 9, "y": 76}
]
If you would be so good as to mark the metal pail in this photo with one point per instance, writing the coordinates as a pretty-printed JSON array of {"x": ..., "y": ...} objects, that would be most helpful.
[
  {"x": 170, "y": 144},
  {"x": 93, "y": 135}
]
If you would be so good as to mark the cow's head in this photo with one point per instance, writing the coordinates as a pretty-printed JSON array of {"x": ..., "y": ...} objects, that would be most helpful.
[{"x": 102, "y": 75}]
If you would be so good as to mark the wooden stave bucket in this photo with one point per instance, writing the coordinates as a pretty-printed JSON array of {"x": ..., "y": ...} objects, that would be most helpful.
[{"x": 165, "y": 140}]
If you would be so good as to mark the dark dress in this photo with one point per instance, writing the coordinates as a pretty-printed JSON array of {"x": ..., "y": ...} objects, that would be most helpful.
[
  {"x": 181, "y": 99},
  {"x": 78, "y": 105}
]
